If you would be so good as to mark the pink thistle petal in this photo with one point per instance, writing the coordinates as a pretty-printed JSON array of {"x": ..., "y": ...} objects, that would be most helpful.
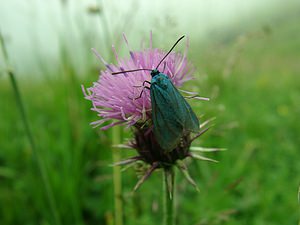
[
  {"x": 111, "y": 125},
  {"x": 117, "y": 96}
]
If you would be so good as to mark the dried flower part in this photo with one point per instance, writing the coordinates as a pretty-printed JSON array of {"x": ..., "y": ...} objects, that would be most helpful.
[
  {"x": 145, "y": 143},
  {"x": 149, "y": 152},
  {"x": 115, "y": 97}
]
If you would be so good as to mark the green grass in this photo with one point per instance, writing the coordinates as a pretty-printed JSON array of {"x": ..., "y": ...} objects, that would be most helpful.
[{"x": 257, "y": 110}]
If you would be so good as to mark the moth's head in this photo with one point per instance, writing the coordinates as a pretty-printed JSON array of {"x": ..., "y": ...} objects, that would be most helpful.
[{"x": 154, "y": 72}]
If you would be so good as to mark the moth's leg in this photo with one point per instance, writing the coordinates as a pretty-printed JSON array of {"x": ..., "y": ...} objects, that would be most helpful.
[
  {"x": 164, "y": 67},
  {"x": 142, "y": 92},
  {"x": 145, "y": 81},
  {"x": 143, "y": 85}
]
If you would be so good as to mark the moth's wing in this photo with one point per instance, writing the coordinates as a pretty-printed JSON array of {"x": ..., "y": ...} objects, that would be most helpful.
[
  {"x": 184, "y": 112},
  {"x": 167, "y": 128}
]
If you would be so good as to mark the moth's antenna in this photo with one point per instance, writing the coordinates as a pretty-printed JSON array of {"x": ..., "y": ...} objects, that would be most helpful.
[
  {"x": 129, "y": 71},
  {"x": 169, "y": 51}
]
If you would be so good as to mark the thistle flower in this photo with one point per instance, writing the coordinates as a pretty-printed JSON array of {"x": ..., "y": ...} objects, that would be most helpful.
[
  {"x": 122, "y": 99},
  {"x": 115, "y": 97}
]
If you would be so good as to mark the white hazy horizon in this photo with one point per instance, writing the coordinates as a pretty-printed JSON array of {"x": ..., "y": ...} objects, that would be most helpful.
[{"x": 33, "y": 28}]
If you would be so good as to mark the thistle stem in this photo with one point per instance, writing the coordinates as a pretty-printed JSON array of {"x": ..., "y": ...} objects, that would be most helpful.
[
  {"x": 36, "y": 153},
  {"x": 117, "y": 179},
  {"x": 168, "y": 203}
]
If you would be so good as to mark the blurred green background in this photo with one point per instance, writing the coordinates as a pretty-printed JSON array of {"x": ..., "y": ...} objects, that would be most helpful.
[{"x": 247, "y": 56}]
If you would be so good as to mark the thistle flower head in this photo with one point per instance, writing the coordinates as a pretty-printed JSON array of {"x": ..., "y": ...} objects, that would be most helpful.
[{"x": 122, "y": 97}]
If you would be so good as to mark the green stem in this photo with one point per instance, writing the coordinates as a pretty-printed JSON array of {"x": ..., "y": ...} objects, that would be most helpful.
[
  {"x": 117, "y": 179},
  {"x": 168, "y": 203},
  {"x": 116, "y": 135},
  {"x": 39, "y": 159}
]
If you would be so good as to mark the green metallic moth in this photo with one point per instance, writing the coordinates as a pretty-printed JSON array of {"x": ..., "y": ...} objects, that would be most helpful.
[{"x": 172, "y": 116}]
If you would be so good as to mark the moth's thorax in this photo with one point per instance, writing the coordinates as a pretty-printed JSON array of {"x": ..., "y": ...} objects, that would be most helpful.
[
  {"x": 154, "y": 72},
  {"x": 160, "y": 79}
]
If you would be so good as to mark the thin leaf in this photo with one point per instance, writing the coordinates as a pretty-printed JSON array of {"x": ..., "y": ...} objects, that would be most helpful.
[
  {"x": 199, "y": 134},
  {"x": 196, "y": 97},
  {"x": 169, "y": 173},
  {"x": 200, "y": 157},
  {"x": 122, "y": 146},
  {"x": 202, "y": 149},
  {"x": 146, "y": 175},
  {"x": 127, "y": 161},
  {"x": 207, "y": 122},
  {"x": 188, "y": 92},
  {"x": 182, "y": 167},
  {"x": 126, "y": 167}
]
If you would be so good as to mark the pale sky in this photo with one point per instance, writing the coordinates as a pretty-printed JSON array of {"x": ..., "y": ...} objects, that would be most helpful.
[{"x": 33, "y": 28}]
